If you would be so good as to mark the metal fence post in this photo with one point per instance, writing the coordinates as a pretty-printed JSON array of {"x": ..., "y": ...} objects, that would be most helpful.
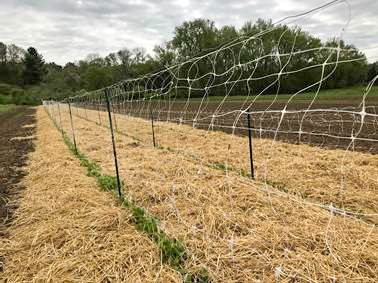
[
  {"x": 72, "y": 126},
  {"x": 98, "y": 110},
  {"x": 152, "y": 125},
  {"x": 113, "y": 140},
  {"x": 250, "y": 144},
  {"x": 114, "y": 115}
]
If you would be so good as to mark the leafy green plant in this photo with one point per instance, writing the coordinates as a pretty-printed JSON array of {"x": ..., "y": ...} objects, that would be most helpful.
[{"x": 107, "y": 183}]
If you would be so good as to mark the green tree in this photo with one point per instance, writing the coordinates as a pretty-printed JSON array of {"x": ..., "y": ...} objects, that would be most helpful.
[
  {"x": 33, "y": 67},
  {"x": 15, "y": 53},
  {"x": 96, "y": 77},
  {"x": 165, "y": 55},
  {"x": 3, "y": 53},
  {"x": 194, "y": 37},
  {"x": 346, "y": 73}
]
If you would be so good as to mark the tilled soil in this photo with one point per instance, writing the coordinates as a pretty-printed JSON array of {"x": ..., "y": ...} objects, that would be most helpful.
[
  {"x": 16, "y": 141},
  {"x": 332, "y": 126}
]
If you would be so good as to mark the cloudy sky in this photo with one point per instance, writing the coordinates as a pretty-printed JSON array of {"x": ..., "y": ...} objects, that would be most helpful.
[{"x": 67, "y": 30}]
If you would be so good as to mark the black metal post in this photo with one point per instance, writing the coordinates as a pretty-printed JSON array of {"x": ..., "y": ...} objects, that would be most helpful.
[
  {"x": 152, "y": 125},
  {"x": 250, "y": 144},
  {"x": 98, "y": 110},
  {"x": 72, "y": 127},
  {"x": 113, "y": 140},
  {"x": 114, "y": 115}
]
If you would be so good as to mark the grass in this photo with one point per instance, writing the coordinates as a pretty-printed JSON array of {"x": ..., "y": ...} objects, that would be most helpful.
[
  {"x": 14, "y": 94},
  {"x": 324, "y": 96},
  {"x": 6, "y": 107}
]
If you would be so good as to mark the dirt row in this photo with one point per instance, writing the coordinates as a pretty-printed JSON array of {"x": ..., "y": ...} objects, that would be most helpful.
[{"x": 16, "y": 141}]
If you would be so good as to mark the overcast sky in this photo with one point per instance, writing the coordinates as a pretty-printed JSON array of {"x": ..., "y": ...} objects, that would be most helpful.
[{"x": 67, "y": 30}]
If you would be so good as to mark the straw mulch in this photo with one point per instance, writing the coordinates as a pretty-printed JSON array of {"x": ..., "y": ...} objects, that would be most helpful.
[
  {"x": 334, "y": 177},
  {"x": 234, "y": 227},
  {"x": 65, "y": 229}
]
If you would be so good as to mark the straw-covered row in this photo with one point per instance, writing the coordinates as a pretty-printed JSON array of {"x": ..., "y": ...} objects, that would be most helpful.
[
  {"x": 66, "y": 229},
  {"x": 347, "y": 180},
  {"x": 235, "y": 228}
]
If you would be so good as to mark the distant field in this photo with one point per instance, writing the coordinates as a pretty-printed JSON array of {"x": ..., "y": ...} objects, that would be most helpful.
[
  {"x": 13, "y": 94},
  {"x": 6, "y": 107},
  {"x": 330, "y": 96}
]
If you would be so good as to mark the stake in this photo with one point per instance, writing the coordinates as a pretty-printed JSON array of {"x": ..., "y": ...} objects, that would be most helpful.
[
  {"x": 250, "y": 143},
  {"x": 72, "y": 126},
  {"x": 152, "y": 125},
  {"x": 98, "y": 109},
  {"x": 114, "y": 115},
  {"x": 113, "y": 141}
]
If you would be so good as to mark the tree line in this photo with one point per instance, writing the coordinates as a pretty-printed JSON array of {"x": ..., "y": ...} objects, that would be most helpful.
[{"x": 239, "y": 47}]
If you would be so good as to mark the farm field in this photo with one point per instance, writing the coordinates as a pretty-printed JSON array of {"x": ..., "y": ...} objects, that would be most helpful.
[
  {"x": 181, "y": 141},
  {"x": 66, "y": 229},
  {"x": 284, "y": 224}
]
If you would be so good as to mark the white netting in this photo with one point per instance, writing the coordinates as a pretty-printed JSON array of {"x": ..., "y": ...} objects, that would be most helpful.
[
  {"x": 246, "y": 78},
  {"x": 271, "y": 81}
]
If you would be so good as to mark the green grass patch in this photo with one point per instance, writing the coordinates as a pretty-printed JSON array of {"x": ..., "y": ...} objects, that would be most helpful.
[
  {"x": 325, "y": 96},
  {"x": 6, "y": 107},
  {"x": 172, "y": 251},
  {"x": 107, "y": 183},
  {"x": 13, "y": 94}
]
